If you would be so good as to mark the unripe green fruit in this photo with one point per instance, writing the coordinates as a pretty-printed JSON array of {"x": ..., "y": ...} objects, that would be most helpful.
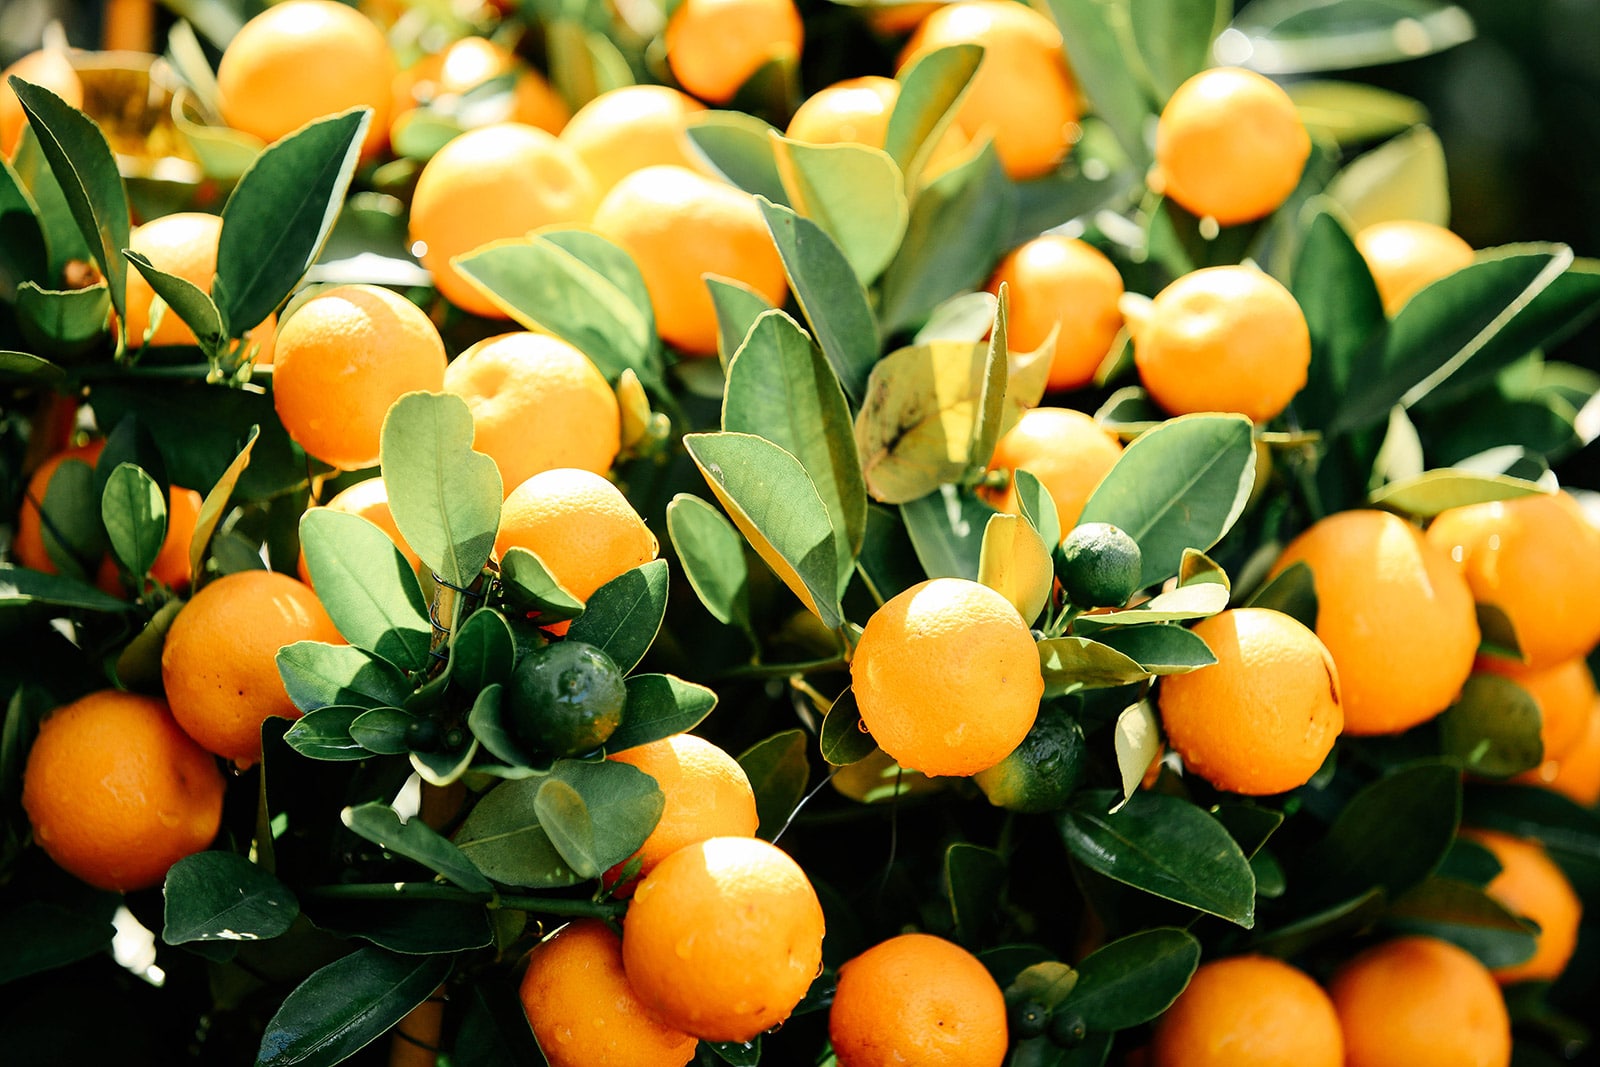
[
  {"x": 1040, "y": 773},
  {"x": 565, "y": 699},
  {"x": 1029, "y": 1019},
  {"x": 1068, "y": 1029},
  {"x": 1099, "y": 566}
]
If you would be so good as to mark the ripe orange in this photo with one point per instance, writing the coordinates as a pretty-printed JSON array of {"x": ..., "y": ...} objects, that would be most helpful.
[
  {"x": 1249, "y": 1011},
  {"x": 707, "y": 795},
  {"x": 1565, "y": 694},
  {"x": 947, "y": 677},
  {"x": 1065, "y": 284},
  {"x": 723, "y": 938},
  {"x": 1065, "y": 449},
  {"x": 442, "y": 77},
  {"x": 370, "y": 500},
  {"x": 1406, "y": 254},
  {"x": 917, "y": 999},
  {"x": 219, "y": 664},
  {"x": 1577, "y": 774},
  {"x": 579, "y": 524},
  {"x": 633, "y": 127},
  {"x": 184, "y": 244},
  {"x": 583, "y": 1011},
  {"x": 494, "y": 182},
  {"x": 342, "y": 359},
  {"x": 47, "y": 67},
  {"x": 537, "y": 404},
  {"x": 1393, "y": 612},
  {"x": 714, "y": 46},
  {"x": 117, "y": 793},
  {"x": 1420, "y": 1002},
  {"x": 1222, "y": 339},
  {"x": 678, "y": 225},
  {"x": 1023, "y": 94},
  {"x": 1264, "y": 716},
  {"x": 1531, "y": 885},
  {"x": 1229, "y": 145},
  {"x": 27, "y": 546},
  {"x": 1536, "y": 558},
  {"x": 301, "y": 60}
]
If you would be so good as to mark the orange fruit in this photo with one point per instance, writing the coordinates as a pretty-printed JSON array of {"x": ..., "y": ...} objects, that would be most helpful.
[
  {"x": 707, "y": 795},
  {"x": 1394, "y": 613},
  {"x": 1537, "y": 559},
  {"x": 678, "y": 225},
  {"x": 537, "y": 404},
  {"x": 579, "y": 525},
  {"x": 632, "y": 127},
  {"x": 1405, "y": 255},
  {"x": 1565, "y": 694},
  {"x": 219, "y": 664},
  {"x": 917, "y": 999},
  {"x": 184, "y": 244},
  {"x": 1420, "y": 1002},
  {"x": 442, "y": 77},
  {"x": 27, "y": 546},
  {"x": 1062, "y": 283},
  {"x": 1065, "y": 449},
  {"x": 1263, "y": 717},
  {"x": 715, "y": 46},
  {"x": 1222, "y": 339},
  {"x": 1531, "y": 885},
  {"x": 171, "y": 566},
  {"x": 1249, "y": 1011},
  {"x": 1576, "y": 775},
  {"x": 48, "y": 67},
  {"x": 947, "y": 677},
  {"x": 117, "y": 793},
  {"x": 1023, "y": 94},
  {"x": 342, "y": 359},
  {"x": 370, "y": 500},
  {"x": 494, "y": 182},
  {"x": 1229, "y": 145},
  {"x": 303, "y": 59},
  {"x": 583, "y": 1011},
  {"x": 723, "y": 938}
]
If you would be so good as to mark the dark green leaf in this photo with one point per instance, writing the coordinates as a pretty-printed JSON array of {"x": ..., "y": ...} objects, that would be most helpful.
[
  {"x": 1100, "y": 65},
  {"x": 738, "y": 306},
  {"x": 134, "y": 511},
  {"x": 844, "y": 738},
  {"x": 411, "y": 927},
  {"x": 737, "y": 1053},
  {"x": 1465, "y": 915},
  {"x": 24, "y": 369},
  {"x": 63, "y": 322},
  {"x": 712, "y": 555},
  {"x": 184, "y": 299},
  {"x": 61, "y": 236},
  {"x": 738, "y": 145},
  {"x": 318, "y": 675},
  {"x": 1161, "y": 648},
  {"x": 131, "y": 441},
  {"x": 367, "y": 586},
  {"x": 597, "y": 814},
  {"x": 888, "y": 564},
  {"x": 1174, "y": 39},
  {"x": 1074, "y": 662},
  {"x": 1249, "y": 824},
  {"x": 1564, "y": 828},
  {"x": 1164, "y": 846},
  {"x": 348, "y": 1004},
  {"x": 1133, "y": 980},
  {"x": 1338, "y": 921},
  {"x": 659, "y": 705},
  {"x": 530, "y": 587},
  {"x": 623, "y": 616},
  {"x": 503, "y": 839},
  {"x": 325, "y": 733},
  {"x": 280, "y": 214},
  {"x": 415, "y": 840},
  {"x": 221, "y": 896},
  {"x": 946, "y": 529},
  {"x": 43, "y": 935},
  {"x": 382, "y": 730},
  {"x": 1037, "y": 506},
  {"x": 778, "y": 773},
  {"x": 18, "y": 585},
  {"x": 974, "y": 879},
  {"x": 73, "y": 532},
  {"x": 1292, "y": 592},
  {"x": 24, "y": 255},
  {"x": 483, "y": 651},
  {"x": 1493, "y": 728},
  {"x": 1334, "y": 288},
  {"x": 488, "y": 726}
]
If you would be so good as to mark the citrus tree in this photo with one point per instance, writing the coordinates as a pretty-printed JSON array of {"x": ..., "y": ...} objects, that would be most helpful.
[{"x": 860, "y": 534}]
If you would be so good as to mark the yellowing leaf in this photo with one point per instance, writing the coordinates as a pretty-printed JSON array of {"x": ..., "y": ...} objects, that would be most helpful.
[
  {"x": 1138, "y": 742},
  {"x": 1015, "y": 563}
]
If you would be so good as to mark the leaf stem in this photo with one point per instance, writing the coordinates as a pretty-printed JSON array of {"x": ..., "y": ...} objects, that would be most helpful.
[
  {"x": 784, "y": 670},
  {"x": 610, "y": 909}
]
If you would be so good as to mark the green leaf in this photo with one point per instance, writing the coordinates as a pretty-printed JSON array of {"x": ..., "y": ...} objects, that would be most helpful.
[
  {"x": 22, "y": 368},
  {"x": 408, "y": 926},
  {"x": 659, "y": 705},
  {"x": 1073, "y": 662},
  {"x": 324, "y": 734},
  {"x": 134, "y": 511},
  {"x": 829, "y": 294},
  {"x": 529, "y": 586},
  {"x": 772, "y": 500},
  {"x": 737, "y": 1053},
  {"x": 597, "y": 814},
  {"x": 1160, "y": 648},
  {"x": 1392, "y": 834},
  {"x": 844, "y": 738},
  {"x": 1293, "y": 37},
  {"x": 1352, "y": 113},
  {"x": 1089, "y": 32},
  {"x": 445, "y": 497},
  {"x": 86, "y": 171},
  {"x": 483, "y": 651},
  {"x": 381, "y": 730},
  {"x": 781, "y": 388},
  {"x": 970, "y": 208},
  {"x": 946, "y": 529},
  {"x": 61, "y": 237},
  {"x": 1465, "y": 915},
  {"x": 579, "y": 287},
  {"x": 856, "y": 194},
  {"x": 738, "y": 306},
  {"x": 348, "y": 1004},
  {"x": 24, "y": 255},
  {"x": 1292, "y": 592},
  {"x": 1403, "y": 178},
  {"x": 1181, "y": 485},
  {"x": 367, "y": 586},
  {"x": 974, "y": 880},
  {"x": 70, "y": 515},
  {"x": 1570, "y": 833},
  {"x": 319, "y": 675},
  {"x": 1493, "y": 728},
  {"x": 1132, "y": 980},
  {"x": 19, "y": 585},
  {"x": 487, "y": 724},
  {"x": 504, "y": 840},
  {"x": 623, "y": 616},
  {"x": 63, "y": 322},
  {"x": 444, "y": 766},
  {"x": 280, "y": 214},
  {"x": 1174, "y": 39},
  {"x": 1198, "y": 601},
  {"x": 221, "y": 896},
  {"x": 930, "y": 88},
  {"x": 778, "y": 773},
  {"x": 740, "y": 146},
  {"x": 183, "y": 298},
  {"x": 42, "y": 935},
  {"x": 712, "y": 556},
  {"x": 1437, "y": 491},
  {"x": 1335, "y": 290},
  {"x": 1164, "y": 846}
]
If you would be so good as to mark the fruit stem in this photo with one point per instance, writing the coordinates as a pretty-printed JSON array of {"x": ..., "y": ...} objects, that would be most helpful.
[{"x": 611, "y": 909}]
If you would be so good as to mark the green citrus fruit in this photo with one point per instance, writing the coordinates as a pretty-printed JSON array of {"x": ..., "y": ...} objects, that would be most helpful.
[
  {"x": 1099, "y": 566},
  {"x": 565, "y": 698},
  {"x": 1041, "y": 772}
]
